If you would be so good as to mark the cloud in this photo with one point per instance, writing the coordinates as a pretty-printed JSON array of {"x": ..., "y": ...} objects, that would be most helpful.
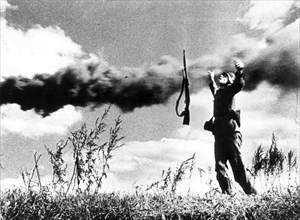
[
  {"x": 29, "y": 124},
  {"x": 143, "y": 162},
  {"x": 18, "y": 183},
  {"x": 269, "y": 16},
  {"x": 9, "y": 183},
  {"x": 261, "y": 126},
  {"x": 4, "y": 5},
  {"x": 37, "y": 50}
]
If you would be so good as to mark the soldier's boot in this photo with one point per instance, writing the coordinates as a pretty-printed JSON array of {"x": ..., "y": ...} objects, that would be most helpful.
[
  {"x": 241, "y": 177},
  {"x": 248, "y": 188}
]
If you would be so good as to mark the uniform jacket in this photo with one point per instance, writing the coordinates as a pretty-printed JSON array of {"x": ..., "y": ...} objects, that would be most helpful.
[{"x": 225, "y": 120}]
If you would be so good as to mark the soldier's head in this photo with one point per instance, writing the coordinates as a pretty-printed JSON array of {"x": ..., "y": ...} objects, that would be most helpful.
[{"x": 226, "y": 78}]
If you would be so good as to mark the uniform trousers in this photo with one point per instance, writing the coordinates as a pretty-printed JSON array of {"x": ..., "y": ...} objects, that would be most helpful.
[{"x": 227, "y": 148}]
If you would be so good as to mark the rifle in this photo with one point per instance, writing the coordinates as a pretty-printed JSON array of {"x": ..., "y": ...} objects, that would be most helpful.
[{"x": 184, "y": 87}]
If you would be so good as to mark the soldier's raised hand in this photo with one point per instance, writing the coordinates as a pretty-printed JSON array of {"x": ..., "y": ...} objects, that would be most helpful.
[
  {"x": 238, "y": 65},
  {"x": 211, "y": 75}
]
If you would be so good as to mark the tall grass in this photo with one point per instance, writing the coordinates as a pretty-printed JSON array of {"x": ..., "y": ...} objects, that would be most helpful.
[
  {"x": 28, "y": 176},
  {"x": 91, "y": 154},
  {"x": 92, "y": 149},
  {"x": 272, "y": 166},
  {"x": 58, "y": 164},
  {"x": 170, "y": 179},
  {"x": 292, "y": 165}
]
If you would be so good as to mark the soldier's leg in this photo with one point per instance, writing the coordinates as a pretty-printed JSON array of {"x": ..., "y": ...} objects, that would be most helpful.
[
  {"x": 237, "y": 165},
  {"x": 220, "y": 166}
]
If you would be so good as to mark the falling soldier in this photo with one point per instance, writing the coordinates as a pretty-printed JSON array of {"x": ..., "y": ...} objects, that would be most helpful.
[{"x": 225, "y": 125}]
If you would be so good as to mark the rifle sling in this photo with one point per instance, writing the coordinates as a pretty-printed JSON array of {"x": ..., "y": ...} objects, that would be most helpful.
[{"x": 185, "y": 112}]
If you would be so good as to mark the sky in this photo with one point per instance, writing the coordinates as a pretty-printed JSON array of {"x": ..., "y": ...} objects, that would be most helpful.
[{"x": 133, "y": 52}]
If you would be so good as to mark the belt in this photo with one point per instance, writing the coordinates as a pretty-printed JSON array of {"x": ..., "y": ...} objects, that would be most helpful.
[
  {"x": 233, "y": 114},
  {"x": 222, "y": 115}
]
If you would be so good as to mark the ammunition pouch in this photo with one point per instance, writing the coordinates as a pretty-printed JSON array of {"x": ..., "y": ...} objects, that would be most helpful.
[
  {"x": 233, "y": 114},
  {"x": 209, "y": 125}
]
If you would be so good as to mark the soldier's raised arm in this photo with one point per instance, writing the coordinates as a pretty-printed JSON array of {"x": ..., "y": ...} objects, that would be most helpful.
[
  {"x": 239, "y": 81},
  {"x": 239, "y": 67},
  {"x": 212, "y": 85}
]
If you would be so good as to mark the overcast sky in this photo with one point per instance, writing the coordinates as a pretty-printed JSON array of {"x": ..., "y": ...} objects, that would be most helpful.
[{"x": 133, "y": 38}]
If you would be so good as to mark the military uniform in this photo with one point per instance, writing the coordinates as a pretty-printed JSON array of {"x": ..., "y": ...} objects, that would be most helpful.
[{"x": 228, "y": 138}]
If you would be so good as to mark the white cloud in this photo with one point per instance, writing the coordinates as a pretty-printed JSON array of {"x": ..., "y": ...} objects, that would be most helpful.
[
  {"x": 18, "y": 183},
  {"x": 38, "y": 50},
  {"x": 259, "y": 100},
  {"x": 143, "y": 162},
  {"x": 289, "y": 35},
  {"x": 261, "y": 125},
  {"x": 30, "y": 124},
  {"x": 9, "y": 183},
  {"x": 4, "y": 5},
  {"x": 269, "y": 16},
  {"x": 195, "y": 134},
  {"x": 204, "y": 98}
]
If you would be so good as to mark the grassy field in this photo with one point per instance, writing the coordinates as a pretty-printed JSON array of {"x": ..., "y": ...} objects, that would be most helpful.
[{"x": 16, "y": 204}]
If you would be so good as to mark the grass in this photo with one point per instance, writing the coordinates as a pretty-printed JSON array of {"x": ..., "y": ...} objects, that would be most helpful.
[{"x": 44, "y": 205}]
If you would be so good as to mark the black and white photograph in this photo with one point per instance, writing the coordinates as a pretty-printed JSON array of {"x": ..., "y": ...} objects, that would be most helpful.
[{"x": 148, "y": 109}]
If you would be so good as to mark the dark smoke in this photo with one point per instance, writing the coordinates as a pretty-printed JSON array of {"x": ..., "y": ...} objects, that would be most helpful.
[
  {"x": 279, "y": 63},
  {"x": 88, "y": 87},
  {"x": 279, "y": 69}
]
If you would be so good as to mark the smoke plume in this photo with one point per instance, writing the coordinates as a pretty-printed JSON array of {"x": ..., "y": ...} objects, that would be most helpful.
[
  {"x": 279, "y": 67},
  {"x": 88, "y": 85}
]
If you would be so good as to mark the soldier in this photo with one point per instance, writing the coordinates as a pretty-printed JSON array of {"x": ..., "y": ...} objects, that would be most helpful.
[{"x": 225, "y": 126}]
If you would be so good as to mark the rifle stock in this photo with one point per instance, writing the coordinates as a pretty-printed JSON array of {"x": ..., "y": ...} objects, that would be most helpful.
[{"x": 186, "y": 117}]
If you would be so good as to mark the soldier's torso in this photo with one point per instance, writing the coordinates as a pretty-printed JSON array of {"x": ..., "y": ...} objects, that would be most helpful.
[{"x": 223, "y": 103}]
